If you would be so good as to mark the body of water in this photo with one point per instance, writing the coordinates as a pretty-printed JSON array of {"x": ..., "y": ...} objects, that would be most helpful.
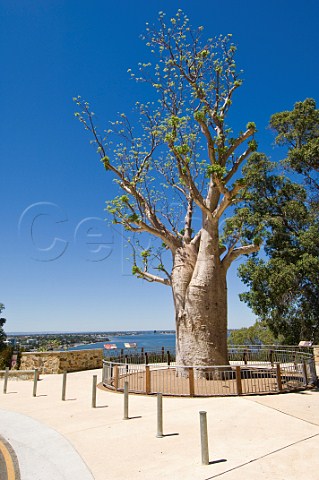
[{"x": 149, "y": 341}]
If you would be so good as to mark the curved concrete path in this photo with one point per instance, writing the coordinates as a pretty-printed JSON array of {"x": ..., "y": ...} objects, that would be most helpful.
[
  {"x": 9, "y": 465},
  {"x": 42, "y": 452}
]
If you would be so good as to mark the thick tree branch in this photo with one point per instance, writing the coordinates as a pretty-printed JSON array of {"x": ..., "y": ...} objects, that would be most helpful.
[
  {"x": 237, "y": 164},
  {"x": 188, "y": 221},
  {"x": 241, "y": 139},
  {"x": 196, "y": 240},
  {"x": 227, "y": 101},
  {"x": 157, "y": 228},
  {"x": 237, "y": 252},
  {"x": 152, "y": 278},
  {"x": 210, "y": 142},
  {"x": 227, "y": 200},
  {"x": 187, "y": 178}
]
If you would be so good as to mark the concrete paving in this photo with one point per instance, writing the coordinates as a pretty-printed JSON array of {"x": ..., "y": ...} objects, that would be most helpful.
[{"x": 270, "y": 437}]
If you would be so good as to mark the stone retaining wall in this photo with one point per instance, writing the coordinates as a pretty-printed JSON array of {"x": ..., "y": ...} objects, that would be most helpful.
[
  {"x": 58, "y": 362},
  {"x": 18, "y": 374}
]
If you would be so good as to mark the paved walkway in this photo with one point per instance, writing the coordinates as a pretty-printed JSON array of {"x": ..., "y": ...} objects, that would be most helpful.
[
  {"x": 268, "y": 437},
  {"x": 43, "y": 453}
]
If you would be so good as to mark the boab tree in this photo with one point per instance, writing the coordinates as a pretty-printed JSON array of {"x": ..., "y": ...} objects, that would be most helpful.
[{"x": 179, "y": 170}]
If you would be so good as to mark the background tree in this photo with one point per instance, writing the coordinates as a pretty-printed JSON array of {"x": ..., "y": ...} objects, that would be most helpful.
[
  {"x": 298, "y": 129},
  {"x": 257, "y": 334},
  {"x": 50, "y": 345},
  {"x": 5, "y": 350},
  {"x": 179, "y": 172},
  {"x": 284, "y": 287},
  {"x": 2, "y": 333}
]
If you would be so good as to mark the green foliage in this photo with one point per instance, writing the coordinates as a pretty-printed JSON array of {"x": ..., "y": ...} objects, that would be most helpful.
[
  {"x": 253, "y": 145},
  {"x": 5, "y": 351},
  {"x": 217, "y": 170},
  {"x": 135, "y": 270},
  {"x": 251, "y": 216},
  {"x": 284, "y": 286},
  {"x": 105, "y": 160},
  {"x": 200, "y": 116},
  {"x": 50, "y": 345},
  {"x": 2, "y": 333},
  {"x": 298, "y": 129},
  {"x": 284, "y": 290},
  {"x": 257, "y": 334},
  {"x": 251, "y": 126},
  {"x": 5, "y": 356}
]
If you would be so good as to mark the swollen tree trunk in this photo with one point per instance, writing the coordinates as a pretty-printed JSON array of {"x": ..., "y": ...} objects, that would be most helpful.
[{"x": 200, "y": 297}]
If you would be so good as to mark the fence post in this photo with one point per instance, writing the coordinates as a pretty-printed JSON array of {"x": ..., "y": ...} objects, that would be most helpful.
[
  {"x": 94, "y": 383},
  {"x": 125, "y": 417},
  {"x": 5, "y": 383},
  {"x": 146, "y": 358},
  {"x": 191, "y": 381},
  {"x": 168, "y": 358},
  {"x": 312, "y": 371},
  {"x": 204, "y": 438},
  {"x": 245, "y": 356},
  {"x": 116, "y": 377},
  {"x": 35, "y": 382},
  {"x": 64, "y": 385},
  {"x": 103, "y": 372},
  {"x": 271, "y": 358},
  {"x": 278, "y": 377},
  {"x": 238, "y": 380},
  {"x": 147, "y": 380},
  {"x": 294, "y": 359},
  {"x": 159, "y": 416},
  {"x": 304, "y": 368}
]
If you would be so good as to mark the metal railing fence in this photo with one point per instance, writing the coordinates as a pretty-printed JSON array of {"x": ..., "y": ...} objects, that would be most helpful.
[{"x": 250, "y": 371}]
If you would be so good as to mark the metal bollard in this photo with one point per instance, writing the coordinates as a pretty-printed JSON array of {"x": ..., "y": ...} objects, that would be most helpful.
[
  {"x": 64, "y": 385},
  {"x": 125, "y": 401},
  {"x": 159, "y": 416},
  {"x": 6, "y": 376},
  {"x": 35, "y": 382},
  {"x": 204, "y": 438},
  {"x": 94, "y": 391}
]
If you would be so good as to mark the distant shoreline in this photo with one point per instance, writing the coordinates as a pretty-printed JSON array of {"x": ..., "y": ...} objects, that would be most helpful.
[{"x": 93, "y": 332}]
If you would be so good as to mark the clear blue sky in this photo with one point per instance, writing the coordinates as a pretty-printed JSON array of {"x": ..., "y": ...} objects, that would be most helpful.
[{"x": 50, "y": 178}]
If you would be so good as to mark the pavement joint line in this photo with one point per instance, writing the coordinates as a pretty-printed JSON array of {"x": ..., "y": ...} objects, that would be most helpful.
[
  {"x": 96, "y": 427},
  {"x": 284, "y": 413},
  {"x": 263, "y": 456}
]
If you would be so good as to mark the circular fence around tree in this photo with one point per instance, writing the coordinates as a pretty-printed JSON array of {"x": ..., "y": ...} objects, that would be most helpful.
[{"x": 251, "y": 370}]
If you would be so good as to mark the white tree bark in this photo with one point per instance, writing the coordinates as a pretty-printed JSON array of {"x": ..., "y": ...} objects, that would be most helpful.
[{"x": 200, "y": 297}]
